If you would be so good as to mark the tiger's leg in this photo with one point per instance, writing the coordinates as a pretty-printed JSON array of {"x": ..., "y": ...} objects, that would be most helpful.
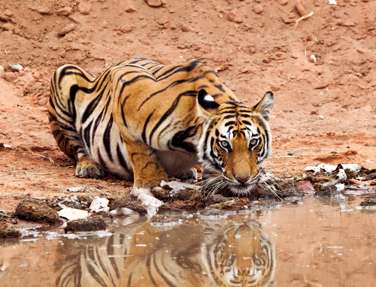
[
  {"x": 147, "y": 173},
  {"x": 69, "y": 141},
  {"x": 61, "y": 115}
]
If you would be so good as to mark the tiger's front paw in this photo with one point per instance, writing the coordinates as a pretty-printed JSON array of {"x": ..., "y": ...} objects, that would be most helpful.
[{"x": 88, "y": 169}]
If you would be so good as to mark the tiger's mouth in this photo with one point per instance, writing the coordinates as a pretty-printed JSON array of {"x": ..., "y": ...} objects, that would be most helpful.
[
  {"x": 222, "y": 183},
  {"x": 243, "y": 188}
]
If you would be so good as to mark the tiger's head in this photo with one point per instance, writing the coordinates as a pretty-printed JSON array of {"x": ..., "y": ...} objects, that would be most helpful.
[{"x": 235, "y": 141}]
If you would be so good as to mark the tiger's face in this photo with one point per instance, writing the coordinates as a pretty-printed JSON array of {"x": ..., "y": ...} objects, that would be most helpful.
[{"x": 236, "y": 142}]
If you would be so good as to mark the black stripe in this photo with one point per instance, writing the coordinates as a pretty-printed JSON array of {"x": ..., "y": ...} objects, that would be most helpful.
[
  {"x": 170, "y": 110},
  {"x": 173, "y": 84},
  {"x": 121, "y": 158},
  {"x": 96, "y": 123},
  {"x": 247, "y": 122},
  {"x": 145, "y": 126},
  {"x": 86, "y": 135},
  {"x": 229, "y": 123},
  {"x": 107, "y": 139},
  {"x": 178, "y": 69},
  {"x": 178, "y": 140}
]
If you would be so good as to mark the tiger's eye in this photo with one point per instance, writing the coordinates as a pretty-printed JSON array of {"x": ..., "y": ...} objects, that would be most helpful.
[
  {"x": 253, "y": 143},
  {"x": 224, "y": 144}
]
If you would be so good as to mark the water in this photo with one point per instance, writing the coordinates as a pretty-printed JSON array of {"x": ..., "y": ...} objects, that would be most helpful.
[{"x": 310, "y": 244}]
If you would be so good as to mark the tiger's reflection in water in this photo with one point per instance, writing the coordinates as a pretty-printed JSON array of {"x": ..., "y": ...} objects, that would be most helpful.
[{"x": 191, "y": 252}]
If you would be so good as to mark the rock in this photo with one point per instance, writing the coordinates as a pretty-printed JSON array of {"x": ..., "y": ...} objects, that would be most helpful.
[
  {"x": 65, "y": 30},
  {"x": 185, "y": 28},
  {"x": 65, "y": 11},
  {"x": 99, "y": 204},
  {"x": 154, "y": 3},
  {"x": 305, "y": 187},
  {"x": 89, "y": 224},
  {"x": 9, "y": 76},
  {"x": 16, "y": 67},
  {"x": 2, "y": 71},
  {"x": 84, "y": 8},
  {"x": 8, "y": 13},
  {"x": 41, "y": 10},
  {"x": 232, "y": 16},
  {"x": 283, "y": 2},
  {"x": 258, "y": 8},
  {"x": 130, "y": 9},
  {"x": 72, "y": 213},
  {"x": 35, "y": 210},
  {"x": 6, "y": 26},
  {"x": 7, "y": 231},
  {"x": 128, "y": 203}
]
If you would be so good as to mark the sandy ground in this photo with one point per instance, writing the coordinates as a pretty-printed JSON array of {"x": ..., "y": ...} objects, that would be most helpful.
[{"x": 322, "y": 71}]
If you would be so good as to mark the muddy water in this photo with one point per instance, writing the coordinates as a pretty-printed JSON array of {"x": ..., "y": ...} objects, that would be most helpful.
[{"x": 309, "y": 244}]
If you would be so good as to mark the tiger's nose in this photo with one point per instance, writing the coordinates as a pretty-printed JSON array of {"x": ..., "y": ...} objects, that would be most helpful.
[{"x": 242, "y": 179}]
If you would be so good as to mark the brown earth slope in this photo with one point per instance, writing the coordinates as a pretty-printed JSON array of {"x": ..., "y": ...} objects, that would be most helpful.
[{"x": 322, "y": 71}]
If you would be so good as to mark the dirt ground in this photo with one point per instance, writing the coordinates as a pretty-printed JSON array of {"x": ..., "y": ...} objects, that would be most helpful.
[{"x": 322, "y": 71}]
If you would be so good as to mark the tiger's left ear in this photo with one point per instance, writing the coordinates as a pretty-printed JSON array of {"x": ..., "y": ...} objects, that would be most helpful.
[
  {"x": 264, "y": 106},
  {"x": 206, "y": 102}
]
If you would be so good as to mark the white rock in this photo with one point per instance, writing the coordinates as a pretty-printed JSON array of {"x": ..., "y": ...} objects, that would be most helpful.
[
  {"x": 2, "y": 71},
  {"x": 341, "y": 175},
  {"x": 16, "y": 67},
  {"x": 72, "y": 213},
  {"x": 177, "y": 186},
  {"x": 99, "y": 204},
  {"x": 332, "y": 2},
  {"x": 351, "y": 167}
]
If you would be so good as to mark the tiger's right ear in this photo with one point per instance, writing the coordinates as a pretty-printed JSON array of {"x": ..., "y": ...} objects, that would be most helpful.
[{"x": 206, "y": 102}]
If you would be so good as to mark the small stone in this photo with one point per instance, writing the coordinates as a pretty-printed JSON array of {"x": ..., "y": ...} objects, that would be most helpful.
[
  {"x": 233, "y": 17},
  {"x": 35, "y": 210},
  {"x": 2, "y": 71},
  {"x": 8, "y": 13},
  {"x": 283, "y": 2},
  {"x": 185, "y": 28},
  {"x": 154, "y": 3},
  {"x": 8, "y": 232},
  {"x": 258, "y": 8},
  {"x": 130, "y": 9},
  {"x": 16, "y": 67},
  {"x": 84, "y": 8},
  {"x": 6, "y": 26},
  {"x": 65, "y": 11},
  {"x": 65, "y": 30},
  {"x": 9, "y": 76},
  {"x": 41, "y": 10},
  {"x": 89, "y": 224}
]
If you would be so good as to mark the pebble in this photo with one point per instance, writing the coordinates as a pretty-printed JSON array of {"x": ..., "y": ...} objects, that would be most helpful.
[
  {"x": 9, "y": 76},
  {"x": 154, "y": 3},
  {"x": 41, "y": 10},
  {"x": 84, "y": 8},
  {"x": 16, "y": 67},
  {"x": 283, "y": 2},
  {"x": 65, "y": 30},
  {"x": 2, "y": 71},
  {"x": 258, "y": 8},
  {"x": 65, "y": 11},
  {"x": 89, "y": 224},
  {"x": 232, "y": 16},
  {"x": 130, "y": 9},
  {"x": 34, "y": 210}
]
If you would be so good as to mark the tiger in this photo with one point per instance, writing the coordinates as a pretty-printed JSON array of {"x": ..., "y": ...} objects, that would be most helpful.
[
  {"x": 145, "y": 121},
  {"x": 221, "y": 253}
]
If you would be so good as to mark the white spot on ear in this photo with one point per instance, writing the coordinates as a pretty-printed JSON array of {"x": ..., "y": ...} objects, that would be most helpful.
[{"x": 209, "y": 98}]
